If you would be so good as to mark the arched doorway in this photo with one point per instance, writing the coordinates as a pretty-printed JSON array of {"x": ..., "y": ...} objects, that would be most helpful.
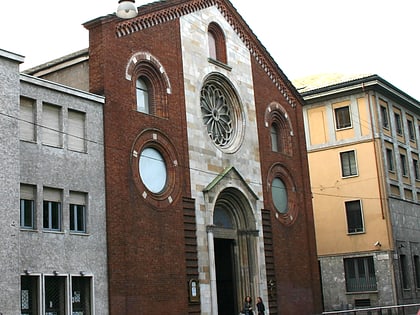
[{"x": 234, "y": 233}]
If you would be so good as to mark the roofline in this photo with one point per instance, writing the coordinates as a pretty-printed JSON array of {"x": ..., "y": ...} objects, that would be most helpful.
[
  {"x": 59, "y": 63},
  {"x": 162, "y": 11},
  {"x": 61, "y": 88},
  {"x": 12, "y": 56},
  {"x": 363, "y": 83}
]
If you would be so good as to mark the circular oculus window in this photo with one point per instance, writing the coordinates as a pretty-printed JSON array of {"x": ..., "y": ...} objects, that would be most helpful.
[
  {"x": 152, "y": 169},
  {"x": 284, "y": 199},
  {"x": 279, "y": 195}
]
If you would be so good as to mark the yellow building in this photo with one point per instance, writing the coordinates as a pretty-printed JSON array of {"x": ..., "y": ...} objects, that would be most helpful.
[{"x": 363, "y": 142}]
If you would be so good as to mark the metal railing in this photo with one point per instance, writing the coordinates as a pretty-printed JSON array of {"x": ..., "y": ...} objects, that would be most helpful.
[{"x": 406, "y": 309}]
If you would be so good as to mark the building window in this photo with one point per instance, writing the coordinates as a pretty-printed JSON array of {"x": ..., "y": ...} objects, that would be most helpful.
[
  {"x": 280, "y": 132},
  {"x": 360, "y": 274},
  {"x": 77, "y": 131},
  {"x": 27, "y": 206},
  {"x": 150, "y": 84},
  {"x": 342, "y": 117},
  {"x": 143, "y": 94},
  {"x": 81, "y": 295},
  {"x": 27, "y": 119},
  {"x": 416, "y": 261},
  {"x": 217, "y": 43},
  {"x": 212, "y": 46},
  {"x": 279, "y": 195},
  {"x": 77, "y": 212},
  {"x": 390, "y": 159},
  {"x": 51, "y": 123},
  {"x": 411, "y": 132},
  {"x": 52, "y": 209},
  {"x": 354, "y": 217},
  {"x": 384, "y": 116},
  {"x": 403, "y": 160},
  {"x": 416, "y": 169},
  {"x": 398, "y": 124},
  {"x": 348, "y": 163},
  {"x": 29, "y": 295},
  {"x": 152, "y": 168},
  {"x": 222, "y": 218},
  {"x": 55, "y": 295},
  {"x": 404, "y": 272},
  {"x": 283, "y": 194},
  {"x": 222, "y": 113},
  {"x": 274, "y": 132}
]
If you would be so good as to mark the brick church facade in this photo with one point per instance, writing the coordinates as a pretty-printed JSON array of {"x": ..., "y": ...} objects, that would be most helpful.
[
  {"x": 206, "y": 174},
  {"x": 207, "y": 186}
]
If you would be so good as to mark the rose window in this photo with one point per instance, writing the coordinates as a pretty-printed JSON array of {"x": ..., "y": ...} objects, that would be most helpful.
[{"x": 221, "y": 113}]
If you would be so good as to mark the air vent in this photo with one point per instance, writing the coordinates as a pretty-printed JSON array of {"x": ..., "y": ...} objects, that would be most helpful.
[{"x": 362, "y": 303}]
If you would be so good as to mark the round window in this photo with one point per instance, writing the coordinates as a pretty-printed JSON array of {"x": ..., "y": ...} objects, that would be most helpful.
[
  {"x": 152, "y": 169},
  {"x": 222, "y": 113},
  {"x": 279, "y": 195}
]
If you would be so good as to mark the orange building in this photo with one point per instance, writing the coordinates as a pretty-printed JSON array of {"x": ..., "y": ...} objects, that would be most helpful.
[{"x": 362, "y": 136}]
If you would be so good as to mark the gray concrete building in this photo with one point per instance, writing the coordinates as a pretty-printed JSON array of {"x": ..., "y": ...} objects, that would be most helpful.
[{"x": 53, "y": 234}]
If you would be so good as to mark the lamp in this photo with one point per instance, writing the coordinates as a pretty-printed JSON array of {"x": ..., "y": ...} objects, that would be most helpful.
[{"x": 126, "y": 9}]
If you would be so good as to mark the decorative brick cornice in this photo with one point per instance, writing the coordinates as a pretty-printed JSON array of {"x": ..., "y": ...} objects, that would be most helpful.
[{"x": 254, "y": 46}]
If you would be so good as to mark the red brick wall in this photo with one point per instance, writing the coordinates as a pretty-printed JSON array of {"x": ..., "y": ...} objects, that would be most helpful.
[
  {"x": 147, "y": 264},
  {"x": 147, "y": 269},
  {"x": 294, "y": 247}
]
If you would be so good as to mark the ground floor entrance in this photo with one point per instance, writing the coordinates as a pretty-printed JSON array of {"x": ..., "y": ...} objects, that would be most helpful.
[{"x": 225, "y": 277}]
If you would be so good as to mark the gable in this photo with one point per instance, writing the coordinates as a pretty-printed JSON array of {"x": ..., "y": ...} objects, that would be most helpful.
[{"x": 164, "y": 11}]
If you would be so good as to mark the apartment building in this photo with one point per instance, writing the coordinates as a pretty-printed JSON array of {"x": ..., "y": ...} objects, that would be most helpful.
[
  {"x": 53, "y": 237},
  {"x": 363, "y": 141}
]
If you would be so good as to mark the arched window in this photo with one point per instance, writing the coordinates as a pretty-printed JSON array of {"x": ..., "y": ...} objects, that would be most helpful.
[
  {"x": 274, "y": 138},
  {"x": 212, "y": 46},
  {"x": 150, "y": 84},
  {"x": 222, "y": 218},
  {"x": 281, "y": 132},
  {"x": 217, "y": 43},
  {"x": 142, "y": 93}
]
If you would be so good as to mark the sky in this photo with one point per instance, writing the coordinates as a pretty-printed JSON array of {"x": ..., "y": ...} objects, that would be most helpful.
[{"x": 304, "y": 37}]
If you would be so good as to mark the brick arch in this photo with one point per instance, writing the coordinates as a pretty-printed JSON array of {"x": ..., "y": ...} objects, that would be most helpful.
[
  {"x": 278, "y": 170},
  {"x": 145, "y": 57},
  {"x": 145, "y": 65},
  {"x": 276, "y": 115}
]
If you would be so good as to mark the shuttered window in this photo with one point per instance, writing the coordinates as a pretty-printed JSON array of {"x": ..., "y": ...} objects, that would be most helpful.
[
  {"x": 27, "y": 206},
  {"x": 76, "y": 131},
  {"x": 27, "y": 119},
  {"x": 77, "y": 212},
  {"x": 51, "y": 123},
  {"x": 52, "y": 209}
]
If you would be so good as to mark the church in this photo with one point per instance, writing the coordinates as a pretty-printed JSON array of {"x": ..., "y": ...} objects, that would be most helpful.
[{"x": 207, "y": 187}]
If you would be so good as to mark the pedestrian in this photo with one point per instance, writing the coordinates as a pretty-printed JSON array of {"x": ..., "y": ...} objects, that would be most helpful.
[
  {"x": 248, "y": 306},
  {"x": 260, "y": 306}
]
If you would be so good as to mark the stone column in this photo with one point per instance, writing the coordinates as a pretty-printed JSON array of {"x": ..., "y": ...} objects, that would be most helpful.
[{"x": 212, "y": 269}]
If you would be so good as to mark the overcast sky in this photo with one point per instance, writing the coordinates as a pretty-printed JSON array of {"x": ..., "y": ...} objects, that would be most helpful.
[{"x": 305, "y": 37}]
